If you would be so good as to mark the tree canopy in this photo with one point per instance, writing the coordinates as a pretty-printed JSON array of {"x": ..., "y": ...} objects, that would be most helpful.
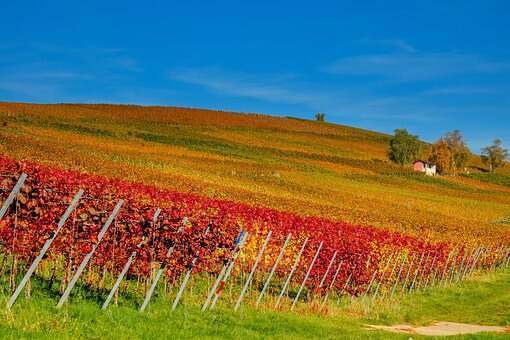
[
  {"x": 404, "y": 147},
  {"x": 494, "y": 155}
]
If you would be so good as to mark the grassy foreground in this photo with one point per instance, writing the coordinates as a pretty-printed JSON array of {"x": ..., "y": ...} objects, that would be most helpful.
[{"x": 483, "y": 300}]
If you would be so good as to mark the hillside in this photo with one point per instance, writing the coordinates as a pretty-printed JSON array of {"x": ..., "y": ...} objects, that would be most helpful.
[{"x": 301, "y": 166}]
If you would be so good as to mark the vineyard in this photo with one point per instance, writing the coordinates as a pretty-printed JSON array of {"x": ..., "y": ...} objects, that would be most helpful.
[
  {"x": 231, "y": 210},
  {"x": 198, "y": 235}
]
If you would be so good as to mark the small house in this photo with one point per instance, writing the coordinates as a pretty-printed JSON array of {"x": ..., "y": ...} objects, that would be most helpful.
[{"x": 426, "y": 167}]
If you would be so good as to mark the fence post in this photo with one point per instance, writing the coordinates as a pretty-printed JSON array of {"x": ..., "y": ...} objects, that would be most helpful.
[
  {"x": 12, "y": 195},
  {"x": 332, "y": 283},
  {"x": 127, "y": 266},
  {"x": 434, "y": 259},
  {"x": 293, "y": 269},
  {"x": 306, "y": 276},
  {"x": 382, "y": 277},
  {"x": 87, "y": 258},
  {"x": 234, "y": 253},
  {"x": 228, "y": 271},
  {"x": 416, "y": 272},
  {"x": 398, "y": 276},
  {"x": 421, "y": 276},
  {"x": 327, "y": 269},
  {"x": 45, "y": 248},
  {"x": 408, "y": 273},
  {"x": 186, "y": 278},
  {"x": 278, "y": 259},
  {"x": 162, "y": 269},
  {"x": 250, "y": 277},
  {"x": 446, "y": 267}
]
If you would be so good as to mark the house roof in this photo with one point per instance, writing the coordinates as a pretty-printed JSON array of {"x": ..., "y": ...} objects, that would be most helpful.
[{"x": 424, "y": 162}]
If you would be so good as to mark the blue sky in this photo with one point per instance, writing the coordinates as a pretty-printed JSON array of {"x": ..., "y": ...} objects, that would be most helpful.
[{"x": 428, "y": 66}]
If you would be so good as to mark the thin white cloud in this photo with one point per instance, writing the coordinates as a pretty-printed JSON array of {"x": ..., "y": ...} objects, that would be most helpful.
[
  {"x": 398, "y": 44},
  {"x": 460, "y": 91},
  {"x": 335, "y": 102},
  {"x": 243, "y": 85},
  {"x": 414, "y": 66}
]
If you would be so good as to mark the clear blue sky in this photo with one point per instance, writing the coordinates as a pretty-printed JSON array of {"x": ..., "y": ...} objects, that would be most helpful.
[{"x": 428, "y": 66}]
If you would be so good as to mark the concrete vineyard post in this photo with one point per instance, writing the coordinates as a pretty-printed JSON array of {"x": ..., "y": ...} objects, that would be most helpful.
[
  {"x": 45, "y": 248},
  {"x": 161, "y": 270},
  {"x": 382, "y": 277},
  {"x": 127, "y": 266},
  {"x": 228, "y": 271},
  {"x": 233, "y": 254},
  {"x": 293, "y": 269},
  {"x": 87, "y": 258},
  {"x": 416, "y": 271},
  {"x": 430, "y": 272},
  {"x": 12, "y": 195},
  {"x": 327, "y": 269},
  {"x": 332, "y": 283},
  {"x": 252, "y": 272},
  {"x": 408, "y": 273},
  {"x": 306, "y": 276},
  {"x": 421, "y": 275},
  {"x": 278, "y": 259},
  {"x": 398, "y": 276},
  {"x": 186, "y": 278}
]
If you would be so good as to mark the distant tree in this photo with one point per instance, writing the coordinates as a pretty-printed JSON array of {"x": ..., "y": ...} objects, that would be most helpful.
[
  {"x": 494, "y": 155},
  {"x": 320, "y": 117},
  {"x": 442, "y": 156},
  {"x": 458, "y": 148},
  {"x": 404, "y": 147}
]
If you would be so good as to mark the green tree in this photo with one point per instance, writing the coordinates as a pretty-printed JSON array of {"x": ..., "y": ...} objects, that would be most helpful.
[
  {"x": 494, "y": 155},
  {"x": 320, "y": 117},
  {"x": 458, "y": 148},
  {"x": 404, "y": 147},
  {"x": 441, "y": 155}
]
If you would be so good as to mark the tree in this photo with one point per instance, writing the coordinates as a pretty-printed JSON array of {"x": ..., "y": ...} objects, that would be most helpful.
[
  {"x": 404, "y": 147},
  {"x": 458, "y": 148},
  {"x": 442, "y": 156},
  {"x": 320, "y": 117},
  {"x": 494, "y": 155}
]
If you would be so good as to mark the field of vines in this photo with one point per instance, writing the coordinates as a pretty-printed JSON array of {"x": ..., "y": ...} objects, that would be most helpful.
[{"x": 307, "y": 209}]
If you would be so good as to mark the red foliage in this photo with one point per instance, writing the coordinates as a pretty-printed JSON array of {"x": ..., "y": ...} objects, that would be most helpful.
[{"x": 48, "y": 191}]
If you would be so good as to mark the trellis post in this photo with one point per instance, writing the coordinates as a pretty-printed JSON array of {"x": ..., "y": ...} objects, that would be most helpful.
[
  {"x": 332, "y": 283},
  {"x": 186, "y": 277},
  {"x": 398, "y": 276},
  {"x": 293, "y": 269},
  {"x": 234, "y": 253},
  {"x": 87, "y": 258},
  {"x": 306, "y": 276},
  {"x": 275, "y": 265},
  {"x": 12, "y": 195},
  {"x": 161, "y": 270},
  {"x": 250, "y": 277},
  {"x": 382, "y": 277},
  {"x": 127, "y": 265},
  {"x": 228, "y": 271},
  {"x": 45, "y": 248}
]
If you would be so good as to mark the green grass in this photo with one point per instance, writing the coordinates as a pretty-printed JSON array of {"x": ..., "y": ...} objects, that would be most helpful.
[{"x": 482, "y": 300}]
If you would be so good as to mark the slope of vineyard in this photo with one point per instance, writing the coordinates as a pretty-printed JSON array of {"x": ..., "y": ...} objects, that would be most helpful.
[{"x": 305, "y": 167}]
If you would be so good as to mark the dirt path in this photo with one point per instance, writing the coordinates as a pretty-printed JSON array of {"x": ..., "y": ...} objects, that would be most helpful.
[{"x": 442, "y": 329}]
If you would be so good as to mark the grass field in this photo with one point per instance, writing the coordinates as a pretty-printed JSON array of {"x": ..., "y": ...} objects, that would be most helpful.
[{"x": 481, "y": 300}]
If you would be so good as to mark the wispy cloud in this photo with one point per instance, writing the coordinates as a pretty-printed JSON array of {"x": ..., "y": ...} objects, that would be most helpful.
[
  {"x": 398, "y": 44},
  {"x": 336, "y": 102},
  {"x": 407, "y": 67},
  {"x": 269, "y": 88},
  {"x": 460, "y": 91}
]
